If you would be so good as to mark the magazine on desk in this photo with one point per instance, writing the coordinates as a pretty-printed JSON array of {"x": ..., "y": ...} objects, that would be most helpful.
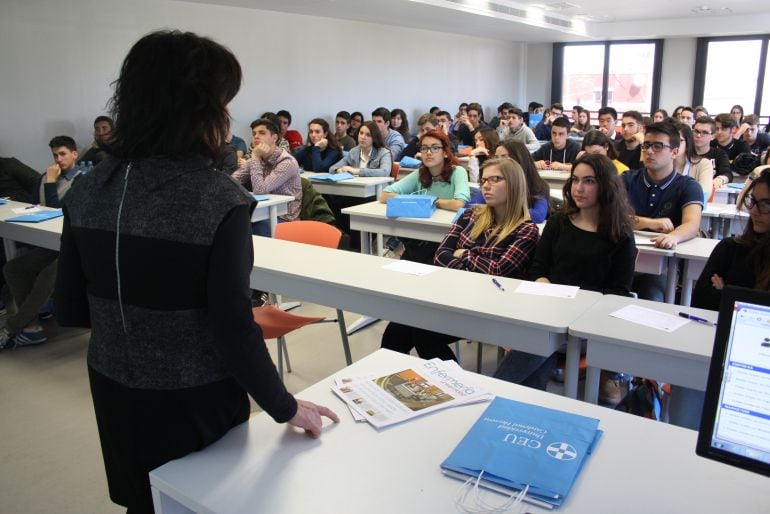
[{"x": 400, "y": 395}]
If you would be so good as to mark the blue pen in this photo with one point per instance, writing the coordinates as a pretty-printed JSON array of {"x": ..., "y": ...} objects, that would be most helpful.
[
  {"x": 696, "y": 319},
  {"x": 498, "y": 284}
]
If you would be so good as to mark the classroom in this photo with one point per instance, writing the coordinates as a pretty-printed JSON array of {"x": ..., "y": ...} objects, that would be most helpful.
[{"x": 313, "y": 58}]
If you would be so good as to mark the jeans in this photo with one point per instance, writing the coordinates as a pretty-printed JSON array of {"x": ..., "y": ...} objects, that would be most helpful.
[
  {"x": 649, "y": 287},
  {"x": 429, "y": 345},
  {"x": 31, "y": 278},
  {"x": 527, "y": 369}
]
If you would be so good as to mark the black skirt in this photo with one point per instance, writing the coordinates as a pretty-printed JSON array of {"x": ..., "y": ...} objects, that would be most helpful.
[{"x": 141, "y": 429}]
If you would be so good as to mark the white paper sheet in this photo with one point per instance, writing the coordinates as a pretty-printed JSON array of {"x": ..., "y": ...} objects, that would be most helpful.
[
  {"x": 545, "y": 289},
  {"x": 26, "y": 210},
  {"x": 412, "y": 268},
  {"x": 650, "y": 318}
]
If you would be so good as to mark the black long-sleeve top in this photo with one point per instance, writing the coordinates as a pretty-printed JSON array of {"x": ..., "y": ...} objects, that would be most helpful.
[
  {"x": 571, "y": 256},
  {"x": 732, "y": 262}
]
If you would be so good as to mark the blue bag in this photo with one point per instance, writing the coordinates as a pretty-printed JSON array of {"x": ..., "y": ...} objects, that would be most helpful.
[
  {"x": 516, "y": 445},
  {"x": 332, "y": 177},
  {"x": 411, "y": 206},
  {"x": 410, "y": 162},
  {"x": 37, "y": 217}
]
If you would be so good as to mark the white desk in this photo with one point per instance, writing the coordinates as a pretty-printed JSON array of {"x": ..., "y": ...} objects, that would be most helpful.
[
  {"x": 277, "y": 205},
  {"x": 555, "y": 179},
  {"x": 694, "y": 253},
  {"x": 681, "y": 357},
  {"x": 45, "y": 234},
  {"x": 450, "y": 301},
  {"x": 261, "y": 466},
  {"x": 358, "y": 187}
]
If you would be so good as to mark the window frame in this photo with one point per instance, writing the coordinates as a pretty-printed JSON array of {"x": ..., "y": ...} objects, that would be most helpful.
[{"x": 557, "y": 71}]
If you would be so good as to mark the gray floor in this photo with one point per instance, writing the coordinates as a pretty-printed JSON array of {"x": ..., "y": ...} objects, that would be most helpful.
[{"x": 50, "y": 461}]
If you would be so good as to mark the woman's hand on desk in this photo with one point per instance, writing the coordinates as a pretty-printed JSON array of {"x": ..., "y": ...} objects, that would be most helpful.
[
  {"x": 308, "y": 417},
  {"x": 349, "y": 169}
]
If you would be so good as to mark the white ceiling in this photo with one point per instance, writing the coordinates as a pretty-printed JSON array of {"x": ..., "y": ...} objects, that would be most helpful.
[{"x": 542, "y": 21}]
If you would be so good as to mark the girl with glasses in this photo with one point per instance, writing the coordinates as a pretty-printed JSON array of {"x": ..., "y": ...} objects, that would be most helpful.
[
  {"x": 496, "y": 238},
  {"x": 589, "y": 244},
  {"x": 688, "y": 163}
]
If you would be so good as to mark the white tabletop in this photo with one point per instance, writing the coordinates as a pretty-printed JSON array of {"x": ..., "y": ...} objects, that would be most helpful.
[
  {"x": 680, "y": 357},
  {"x": 45, "y": 234},
  {"x": 370, "y": 217},
  {"x": 358, "y": 187},
  {"x": 274, "y": 206},
  {"x": 261, "y": 466}
]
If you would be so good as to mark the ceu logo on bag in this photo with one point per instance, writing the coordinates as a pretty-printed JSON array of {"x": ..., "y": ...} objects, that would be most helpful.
[{"x": 561, "y": 451}]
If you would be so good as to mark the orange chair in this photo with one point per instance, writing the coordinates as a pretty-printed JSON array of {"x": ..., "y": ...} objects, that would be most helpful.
[
  {"x": 276, "y": 323},
  {"x": 395, "y": 169}
]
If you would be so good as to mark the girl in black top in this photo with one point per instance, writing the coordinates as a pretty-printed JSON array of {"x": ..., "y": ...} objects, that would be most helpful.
[
  {"x": 322, "y": 149},
  {"x": 589, "y": 244}
]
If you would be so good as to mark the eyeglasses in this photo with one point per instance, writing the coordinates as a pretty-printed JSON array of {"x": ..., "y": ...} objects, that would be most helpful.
[
  {"x": 655, "y": 147},
  {"x": 701, "y": 133},
  {"x": 431, "y": 149},
  {"x": 763, "y": 206},
  {"x": 494, "y": 179}
]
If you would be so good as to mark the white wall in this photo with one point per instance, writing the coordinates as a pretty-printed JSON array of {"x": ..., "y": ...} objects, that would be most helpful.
[
  {"x": 539, "y": 71},
  {"x": 678, "y": 73},
  {"x": 58, "y": 59}
]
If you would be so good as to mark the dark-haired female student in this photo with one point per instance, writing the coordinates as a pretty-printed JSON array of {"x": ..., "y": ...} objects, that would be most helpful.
[
  {"x": 322, "y": 149},
  {"x": 439, "y": 176},
  {"x": 589, "y": 244},
  {"x": 496, "y": 238}
]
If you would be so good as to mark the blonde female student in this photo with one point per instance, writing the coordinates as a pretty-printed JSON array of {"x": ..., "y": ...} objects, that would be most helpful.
[{"x": 496, "y": 238}]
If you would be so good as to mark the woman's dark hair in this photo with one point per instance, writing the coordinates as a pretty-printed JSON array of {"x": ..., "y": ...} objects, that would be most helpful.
[
  {"x": 685, "y": 133},
  {"x": 404, "y": 128},
  {"x": 171, "y": 97},
  {"x": 331, "y": 140},
  {"x": 450, "y": 161},
  {"x": 374, "y": 130},
  {"x": 758, "y": 242},
  {"x": 536, "y": 186},
  {"x": 664, "y": 112},
  {"x": 582, "y": 127},
  {"x": 615, "y": 214},
  {"x": 740, "y": 108},
  {"x": 598, "y": 138}
]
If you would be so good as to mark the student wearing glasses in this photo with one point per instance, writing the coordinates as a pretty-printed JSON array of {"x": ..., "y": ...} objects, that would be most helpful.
[
  {"x": 687, "y": 163},
  {"x": 663, "y": 201},
  {"x": 703, "y": 133},
  {"x": 496, "y": 238},
  {"x": 589, "y": 244},
  {"x": 439, "y": 176}
]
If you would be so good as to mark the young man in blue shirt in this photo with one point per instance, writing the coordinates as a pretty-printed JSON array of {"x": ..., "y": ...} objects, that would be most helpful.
[
  {"x": 663, "y": 201},
  {"x": 392, "y": 139}
]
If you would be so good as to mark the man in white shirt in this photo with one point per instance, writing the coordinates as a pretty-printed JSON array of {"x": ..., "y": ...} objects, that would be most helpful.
[{"x": 512, "y": 127}]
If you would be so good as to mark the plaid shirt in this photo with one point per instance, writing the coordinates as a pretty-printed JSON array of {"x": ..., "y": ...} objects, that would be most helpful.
[
  {"x": 278, "y": 174},
  {"x": 508, "y": 258}
]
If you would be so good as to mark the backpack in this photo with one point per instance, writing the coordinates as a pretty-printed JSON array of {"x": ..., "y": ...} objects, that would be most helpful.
[{"x": 744, "y": 163}]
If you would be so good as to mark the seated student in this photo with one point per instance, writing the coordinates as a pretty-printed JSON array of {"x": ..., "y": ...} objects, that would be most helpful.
[
  {"x": 390, "y": 138},
  {"x": 270, "y": 169},
  {"x": 629, "y": 149},
  {"x": 425, "y": 124},
  {"x": 31, "y": 276},
  {"x": 724, "y": 137},
  {"x": 435, "y": 110},
  {"x": 457, "y": 120},
  {"x": 659, "y": 115},
  {"x": 495, "y": 239},
  {"x": 687, "y": 163},
  {"x": 513, "y": 128},
  {"x": 703, "y": 134},
  {"x": 533, "y": 108},
  {"x": 700, "y": 111},
  {"x": 97, "y": 151},
  {"x": 356, "y": 120},
  {"x": 439, "y": 176},
  {"x": 608, "y": 119},
  {"x": 560, "y": 152},
  {"x": 676, "y": 112},
  {"x": 17, "y": 180},
  {"x": 538, "y": 191},
  {"x": 371, "y": 158},
  {"x": 749, "y": 130},
  {"x": 283, "y": 143},
  {"x": 687, "y": 116},
  {"x": 400, "y": 123},
  {"x": 445, "y": 125},
  {"x": 503, "y": 111},
  {"x": 342, "y": 124},
  {"x": 543, "y": 129},
  {"x": 663, "y": 201},
  {"x": 589, "y": 244},
  {"x": 596, "y": 142},
  {"x": 736, "y": 111},
  {"x": 238, "y": 143},
  {"x": 582, "y": 123},
  {"x": 485, "y": 143},
  {"x": 470, "y": 123},
  {"x": 321, "y": 150},
  {"x": 292, "y": 136}
]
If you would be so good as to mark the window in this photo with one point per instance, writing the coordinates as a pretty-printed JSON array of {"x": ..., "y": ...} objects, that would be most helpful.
[
  {"x": 731, "y": 71},
  {"x": 622, "y": 74}
]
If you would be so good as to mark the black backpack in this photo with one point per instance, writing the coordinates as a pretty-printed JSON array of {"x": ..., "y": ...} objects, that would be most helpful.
[{"x": 744, "y": 163}]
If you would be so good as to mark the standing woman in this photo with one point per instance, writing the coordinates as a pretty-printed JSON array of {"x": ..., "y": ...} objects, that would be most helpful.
[
  {"x": 371, "y": 158},
  {"x": 439, "y": 176},
  {"x": 174, "y": 349},
  {"x": 400, "y": 123},
  {"x": 589, "y": 244},
  {"x": 496, "y": 238},
  {"x": 322, "y": 148}
]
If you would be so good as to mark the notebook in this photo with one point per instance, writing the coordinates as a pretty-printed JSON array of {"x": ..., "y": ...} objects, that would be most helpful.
[{"x": 735, "y": 424}]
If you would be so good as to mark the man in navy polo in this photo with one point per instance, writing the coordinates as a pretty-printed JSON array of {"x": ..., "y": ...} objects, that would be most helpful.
[{"x": 663, "y": 201}]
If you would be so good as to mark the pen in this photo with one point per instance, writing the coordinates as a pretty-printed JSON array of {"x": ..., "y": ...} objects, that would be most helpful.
[
  {"x": 498, "y": 284},
  {"x": 696, "y": 319},
  {"x": 30, "y": 207}
]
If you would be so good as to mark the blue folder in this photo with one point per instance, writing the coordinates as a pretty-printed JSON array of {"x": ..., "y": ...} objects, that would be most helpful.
[
  {"x": 37, "y": 217},
  {"x": 260, "y": 198},
  {"x": 333, "y": 177},
  {"x": 517, "y": 444}
]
